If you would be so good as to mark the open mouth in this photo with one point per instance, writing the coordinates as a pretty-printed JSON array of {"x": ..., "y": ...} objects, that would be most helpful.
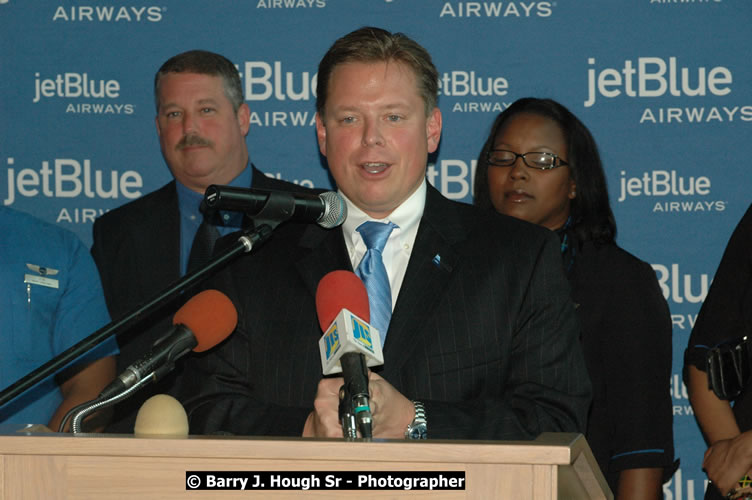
[{"x": 375, "y": 167}]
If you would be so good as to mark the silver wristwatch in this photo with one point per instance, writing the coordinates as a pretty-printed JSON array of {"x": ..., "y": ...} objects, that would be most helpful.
[{"x": 418, "y": 428}]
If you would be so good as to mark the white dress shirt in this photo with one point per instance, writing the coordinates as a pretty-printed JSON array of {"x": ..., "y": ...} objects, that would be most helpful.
[{"x": 399, "y": 246}]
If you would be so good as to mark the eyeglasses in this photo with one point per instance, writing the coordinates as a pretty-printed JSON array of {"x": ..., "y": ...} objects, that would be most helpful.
[{"x": 540, "y": 161}]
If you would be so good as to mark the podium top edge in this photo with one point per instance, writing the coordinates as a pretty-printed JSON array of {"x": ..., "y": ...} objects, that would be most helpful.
[{"x": 548, "y": 448}]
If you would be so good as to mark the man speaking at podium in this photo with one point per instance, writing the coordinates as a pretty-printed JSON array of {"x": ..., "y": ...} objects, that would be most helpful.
[{"x": 482, "y": 340}]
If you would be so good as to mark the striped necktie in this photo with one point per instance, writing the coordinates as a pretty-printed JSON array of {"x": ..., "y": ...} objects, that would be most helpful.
[{"x": 373, "y": 273}]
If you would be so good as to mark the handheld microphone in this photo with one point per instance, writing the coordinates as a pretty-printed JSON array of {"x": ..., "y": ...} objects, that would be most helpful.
[
  {"x": 327, "y": 209},
  {"x": 204, "y": 321},
  {"x": 349, "y": 344}
]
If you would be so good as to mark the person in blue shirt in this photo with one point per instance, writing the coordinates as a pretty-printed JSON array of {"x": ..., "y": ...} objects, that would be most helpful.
[
  {"x": 50, "y": 298},
  {"x": 144, "y": 246}
]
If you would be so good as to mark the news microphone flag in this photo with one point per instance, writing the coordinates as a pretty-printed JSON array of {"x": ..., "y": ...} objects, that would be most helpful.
[{"x": 349, "y": 333}]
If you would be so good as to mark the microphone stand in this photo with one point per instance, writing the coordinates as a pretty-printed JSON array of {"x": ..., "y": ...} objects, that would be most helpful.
[
  {"x": 81, "y": 411},
  {"x": 278, "y": 208},
  {"x": 244, "y": 244}
]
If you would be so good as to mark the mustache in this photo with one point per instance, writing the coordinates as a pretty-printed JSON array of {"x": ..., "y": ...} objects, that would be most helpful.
[{"x": 193, "y": 140}]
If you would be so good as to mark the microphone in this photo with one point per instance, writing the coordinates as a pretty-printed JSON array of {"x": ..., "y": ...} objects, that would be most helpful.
[
  {"x": 204, "y": 321},
  {"x": 161, "y": 416},
  {"x": 327, "y": 209},
  {"x": 349, "y": 344}
]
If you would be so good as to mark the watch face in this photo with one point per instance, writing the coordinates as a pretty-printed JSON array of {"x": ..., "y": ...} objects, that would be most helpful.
[{"x": 418, "y": 432}]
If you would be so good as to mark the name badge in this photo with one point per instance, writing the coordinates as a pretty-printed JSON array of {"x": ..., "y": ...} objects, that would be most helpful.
[{"x": 30, "y": 279}]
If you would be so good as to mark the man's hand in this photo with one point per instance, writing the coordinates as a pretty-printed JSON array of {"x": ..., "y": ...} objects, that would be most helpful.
[
  {"x": 323, "y": 421},
  {"x": 391, "y": 411}
]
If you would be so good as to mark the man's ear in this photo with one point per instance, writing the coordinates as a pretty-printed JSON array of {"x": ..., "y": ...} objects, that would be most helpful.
[
  {"x": 321, "y": 134},
  {"x": 244, "y": 118},
  {"x": 433, "y": 129}
]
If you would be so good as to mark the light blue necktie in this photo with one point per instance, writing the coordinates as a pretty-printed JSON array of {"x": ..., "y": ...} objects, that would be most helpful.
[{"x": 373, "y": 273}]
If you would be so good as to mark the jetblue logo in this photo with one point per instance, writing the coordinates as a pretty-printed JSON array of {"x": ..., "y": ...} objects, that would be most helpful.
[
  {"x": 656, "y": 77},
  {"x": 264, "y": 81},
  {"x": 467, "y": 83},
  {"x": 362, "y": 333},
  {"x": 70, "y": 178},
  {"x": 73, "y": 85},
  {"x": 331, "y": 341},
  {"x": 664, "y": 183},
  {"x": 680, "y": 287},
  {"x": 453, "y": 177}
]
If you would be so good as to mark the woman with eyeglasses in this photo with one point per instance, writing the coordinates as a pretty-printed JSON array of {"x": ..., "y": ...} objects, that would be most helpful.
[{"x": 541, "y": 164}]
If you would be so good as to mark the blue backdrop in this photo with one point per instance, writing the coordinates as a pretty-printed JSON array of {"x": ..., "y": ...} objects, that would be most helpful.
[{"x": 664, "y": 85}]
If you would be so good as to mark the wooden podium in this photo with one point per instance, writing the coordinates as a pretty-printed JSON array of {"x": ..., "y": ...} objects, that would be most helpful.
[{"x": 60, "y": 466}]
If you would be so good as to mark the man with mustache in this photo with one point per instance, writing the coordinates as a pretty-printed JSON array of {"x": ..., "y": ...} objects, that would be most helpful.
[{"x": 140, "y": 248}]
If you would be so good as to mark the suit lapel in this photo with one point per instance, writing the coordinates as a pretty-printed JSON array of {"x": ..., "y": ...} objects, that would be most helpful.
[
  {"x": 260, "y": 181},
  {"x": 163, "y": 238},
  {"x": 321, "y": 251},
  {"x": 432, "y": 262}
]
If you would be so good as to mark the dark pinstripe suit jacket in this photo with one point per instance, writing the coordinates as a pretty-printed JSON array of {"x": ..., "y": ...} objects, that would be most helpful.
[
  {"x": 137, "y": 250},
  {"x": 487, "y": 337}
]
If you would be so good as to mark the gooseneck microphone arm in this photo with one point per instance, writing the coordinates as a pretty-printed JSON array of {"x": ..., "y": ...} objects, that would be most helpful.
[
  {"x": 81, "y": 411},
  {"x": 244, "y": 244}
]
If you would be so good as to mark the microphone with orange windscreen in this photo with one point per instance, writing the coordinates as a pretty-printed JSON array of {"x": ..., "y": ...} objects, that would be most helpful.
[
  {"x": 204, "y": 321},
  {"x": 349, "y": 345}
]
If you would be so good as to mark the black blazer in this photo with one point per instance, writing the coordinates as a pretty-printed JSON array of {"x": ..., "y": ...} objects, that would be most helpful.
[
  {"x": 137, "y": 250},
  {"x": 626, "y": 340},
  {"x": 483, "y": 332}
]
